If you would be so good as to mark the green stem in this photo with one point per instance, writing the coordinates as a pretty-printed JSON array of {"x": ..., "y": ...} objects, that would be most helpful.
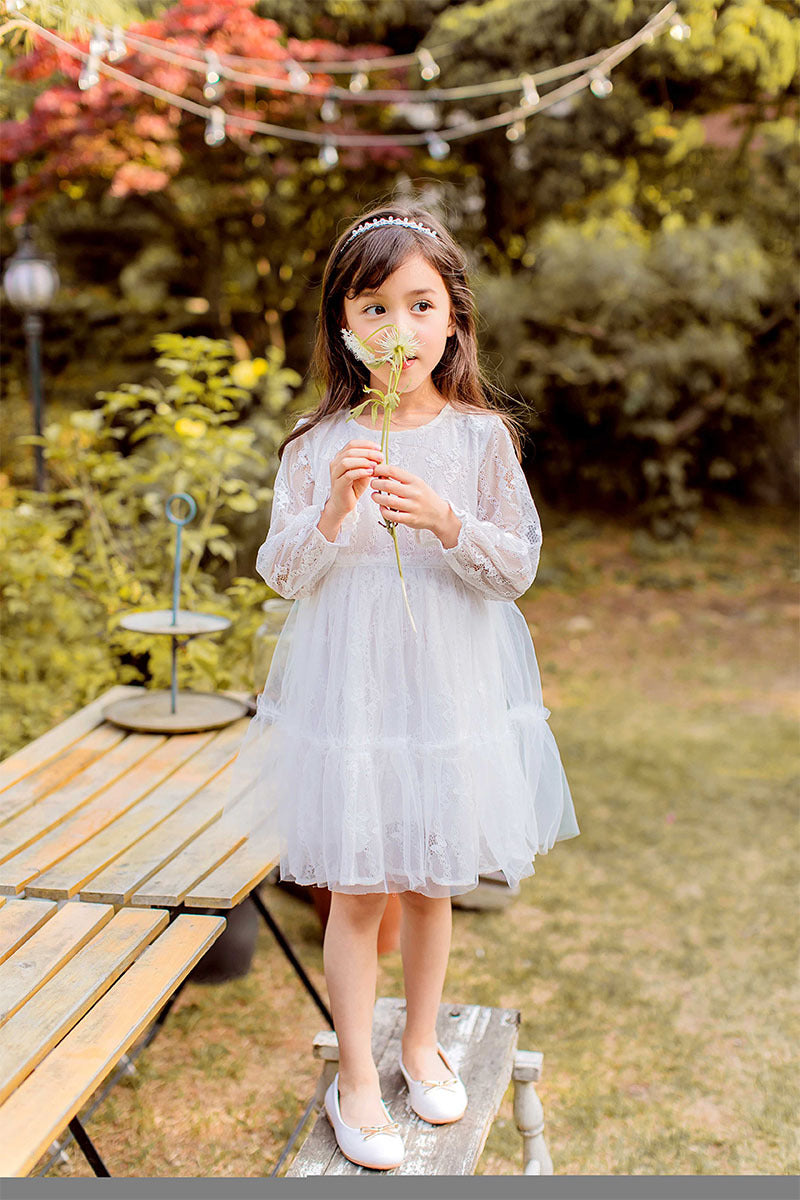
[{"x": 392, "y": 525}]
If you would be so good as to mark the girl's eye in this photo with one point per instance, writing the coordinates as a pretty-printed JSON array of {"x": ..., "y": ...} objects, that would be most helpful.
[
  {"x": 369, "y": 306},
  {"x": 427, "y": 304}
]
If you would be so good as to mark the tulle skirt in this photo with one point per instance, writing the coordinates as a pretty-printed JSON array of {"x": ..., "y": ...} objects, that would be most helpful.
[{"x": 383, "y": 761}]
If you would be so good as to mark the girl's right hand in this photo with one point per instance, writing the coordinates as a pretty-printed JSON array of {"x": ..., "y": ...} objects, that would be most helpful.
[{"x": 351, "y": 471}]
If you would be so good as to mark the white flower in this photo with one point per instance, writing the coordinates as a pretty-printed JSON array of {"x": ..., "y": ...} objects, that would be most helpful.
[
  {"x": 360, "y": 350},
  {"x": 399, "y": 343}
]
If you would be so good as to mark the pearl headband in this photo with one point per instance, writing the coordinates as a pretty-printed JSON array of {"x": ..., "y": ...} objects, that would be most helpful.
[{"x": 405, "y": 222}]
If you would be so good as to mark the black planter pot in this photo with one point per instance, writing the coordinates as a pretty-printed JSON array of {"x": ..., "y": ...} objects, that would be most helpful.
[{"x": 231, "y": 955}]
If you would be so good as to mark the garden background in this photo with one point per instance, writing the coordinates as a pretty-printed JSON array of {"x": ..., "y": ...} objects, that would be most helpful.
[{"x": 635, "y": 260}]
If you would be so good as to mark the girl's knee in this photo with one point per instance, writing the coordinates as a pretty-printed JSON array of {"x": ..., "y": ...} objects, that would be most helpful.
[
  {"x": 416, "y": 902},
  {"x": 358, "y": 908}
]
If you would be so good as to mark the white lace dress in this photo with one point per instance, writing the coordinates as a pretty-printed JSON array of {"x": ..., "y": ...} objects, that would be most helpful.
[{"x": 380, "y": 760}]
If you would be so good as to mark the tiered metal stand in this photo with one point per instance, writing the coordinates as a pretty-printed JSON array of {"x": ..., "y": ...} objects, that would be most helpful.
[{"x": 173, "y": 711}]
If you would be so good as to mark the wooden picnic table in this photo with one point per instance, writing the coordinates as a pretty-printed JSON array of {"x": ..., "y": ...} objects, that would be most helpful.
[
  {"x": 78, "y": 984},
  {"x": 92, "y": 812},
  {"x": 96, "y": 817}
]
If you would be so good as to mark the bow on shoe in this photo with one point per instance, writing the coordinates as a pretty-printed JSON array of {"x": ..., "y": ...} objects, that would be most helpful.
[
  {"x": 430, "y": 1084},
  {"x": 370, "y": 1130}
]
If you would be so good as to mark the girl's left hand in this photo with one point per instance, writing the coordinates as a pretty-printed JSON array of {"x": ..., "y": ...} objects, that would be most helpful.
[{"x": 406, "y": 499}]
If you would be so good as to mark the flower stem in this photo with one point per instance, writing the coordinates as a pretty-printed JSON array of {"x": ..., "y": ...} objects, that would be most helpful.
[{"x": 392, "y": 525}]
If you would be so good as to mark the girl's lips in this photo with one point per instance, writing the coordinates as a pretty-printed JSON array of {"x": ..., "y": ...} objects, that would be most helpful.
[{"x": 408, "y": 363}]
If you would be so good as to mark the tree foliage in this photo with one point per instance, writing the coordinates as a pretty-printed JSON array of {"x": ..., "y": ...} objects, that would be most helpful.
[{"x": 636, "y": 256}]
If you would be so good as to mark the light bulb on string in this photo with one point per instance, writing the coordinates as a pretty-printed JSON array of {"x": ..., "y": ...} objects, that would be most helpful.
[
  {"x": 600, "y": 86},
  {"x": 530, "y": 92},
  {"x": 298, "y": 78},
  {"x": 359, "y": 81},
  {"x": 678, "y": 28},
  {"x": 429, "y": 68},
  {"x": 215, "y": 126},
  {"x": 515, "y": 131},
  {"x": 90, "y": 73},
  {"x": 437, "y": 147},
  {"x": 117, "y": 49},
  {"x": 13, "y": 6},
  {"x": 213, "y": 86},
  {"x": 420, "y": 115},
  {"x": 328, "y": 155},
  {"x": 521, "y": 158},
  {"x": 329, "y": 110},
  {"x": 98, "y": 43}
]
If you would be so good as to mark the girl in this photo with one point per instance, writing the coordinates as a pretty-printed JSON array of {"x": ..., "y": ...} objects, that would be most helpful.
[{"x": 379, "y": 760}]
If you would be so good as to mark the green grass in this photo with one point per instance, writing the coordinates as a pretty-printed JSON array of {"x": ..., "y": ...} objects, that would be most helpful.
[{"x": 653, "y": 959}]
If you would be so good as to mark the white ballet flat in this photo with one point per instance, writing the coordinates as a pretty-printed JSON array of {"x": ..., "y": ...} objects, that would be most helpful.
[
  {"x": 378, "y": 1146},
  {"x": 438, "y": 1101}
]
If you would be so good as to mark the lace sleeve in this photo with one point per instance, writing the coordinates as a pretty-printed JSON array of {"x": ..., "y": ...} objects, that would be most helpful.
[
  {"x": 296, "y": 554},
  {"x": 497, "y": 552}
]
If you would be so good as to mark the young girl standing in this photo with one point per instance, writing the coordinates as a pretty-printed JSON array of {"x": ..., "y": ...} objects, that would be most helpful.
[{"x": 383, "y": 760}]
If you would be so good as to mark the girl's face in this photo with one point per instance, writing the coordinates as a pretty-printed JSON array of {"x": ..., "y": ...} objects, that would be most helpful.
[{"x": 413, "y": 297}]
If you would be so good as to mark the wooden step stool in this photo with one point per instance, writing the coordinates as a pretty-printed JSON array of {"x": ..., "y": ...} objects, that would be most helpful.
[{"x": 482, "y": 1045}]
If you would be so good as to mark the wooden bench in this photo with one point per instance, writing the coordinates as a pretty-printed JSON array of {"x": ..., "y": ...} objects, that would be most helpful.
[
  {"x": 482, "y": 1043},
  {"x": 78, "y": 984}
]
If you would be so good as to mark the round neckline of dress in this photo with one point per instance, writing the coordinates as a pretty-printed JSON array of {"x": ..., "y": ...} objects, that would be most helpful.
[{"x": 411, "y": 428}]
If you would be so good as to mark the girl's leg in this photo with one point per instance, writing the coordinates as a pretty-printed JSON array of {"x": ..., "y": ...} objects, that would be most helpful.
[
  {"x": 425, "y": 948},
  {"x": 350, "y": 954}
]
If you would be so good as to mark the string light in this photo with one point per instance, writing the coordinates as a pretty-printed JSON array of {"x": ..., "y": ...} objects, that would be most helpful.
[
  {"x": 213, "y": 87},
  {"x": 328, "y": 155},
  {"x": 90, "y": 73},
  {"x": 117, "y": 49},
  {"x": 215, "y": 128},
  {"x": 298, "y": 78},
  {"x": 557, "y": 102},
  {"x": 521, "y": 158},
  {"x": 437, "y": 147},
  {"x": 98, "y": 43},
  {"x": 515, "y": 131},
  {"x": 330, "y": 67},
  {"x": 329, "y": 110},
  {"x": 530, "y": 93},
  {"x": 429, "y": 68},
  {"x": 600, "y": 86},
  {"x": 679, "y": 29},
  {"x": 359, "y": 81},
  {"x": 193, "y": 59}
]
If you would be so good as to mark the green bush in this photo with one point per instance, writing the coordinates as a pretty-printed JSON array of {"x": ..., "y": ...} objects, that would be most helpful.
[{"x": 98, "y": 544}]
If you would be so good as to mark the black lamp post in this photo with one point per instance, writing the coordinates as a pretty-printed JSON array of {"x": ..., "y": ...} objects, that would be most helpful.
[{"x": 30, "y": 283}]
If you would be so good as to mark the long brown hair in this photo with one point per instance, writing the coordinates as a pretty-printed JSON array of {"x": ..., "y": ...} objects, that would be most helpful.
[{"x": 364, "y": 264}]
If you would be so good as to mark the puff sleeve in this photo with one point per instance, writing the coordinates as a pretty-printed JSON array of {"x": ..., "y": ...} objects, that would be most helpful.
[
  {"x": 497, "y": 551},
  {"x": 296, "y": 555}
]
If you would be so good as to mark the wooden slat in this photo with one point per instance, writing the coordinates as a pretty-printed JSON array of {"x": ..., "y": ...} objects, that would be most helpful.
[
  {"x": 42, "y": 749},
  {"x": 188, "y": 868},
  {"x": 33, "y": 1031},
  {"x": 18, "y": 833},
  {"x": 480, "y": 1042},
  {"x": 19, "y": 920},
  {"x": 19, "y": 871},
  {"x": 128, "y": 874},
  {"x": 74, "y": 872},
  {"x": 75, "y": 758},
  {"x": 48, "y": 1099},
  {"x": 232, "y": 880},
  {"x": 46, "y": 952}
]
